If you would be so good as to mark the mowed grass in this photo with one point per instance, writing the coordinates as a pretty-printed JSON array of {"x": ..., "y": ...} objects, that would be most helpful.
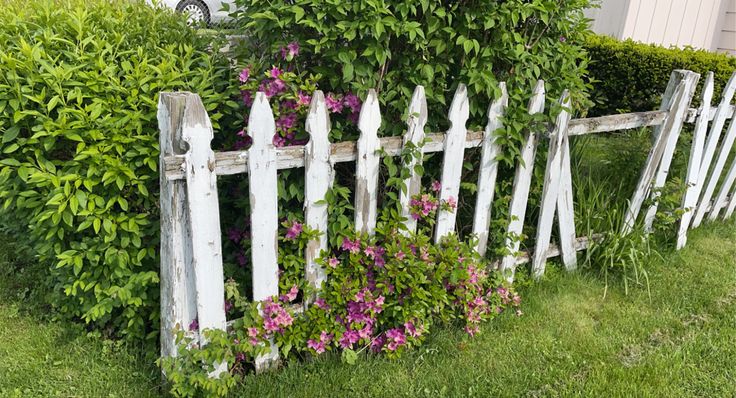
[
  {"x": 43, "y": 358},
  {"x": 571, "y": 341}
]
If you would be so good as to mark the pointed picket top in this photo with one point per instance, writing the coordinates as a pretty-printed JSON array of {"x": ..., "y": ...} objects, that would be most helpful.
[
  {"x": 370, "y": 114},
  {"x": 452, "y": 163},
  {"x": 318, "y": 180},
  {"x": 415, "y": 134},
  {"x": 459, "y": 108},
  {"x": 522, "y": 183},
  {"x": 536, "y": 102},
  {"x": 318, "y": 120},
  {"x": 711, "y": 144},
  {"x": 261, "y": 123},
  {"x": 366, "y": 169},
  {"x": 488, "y": 170}
]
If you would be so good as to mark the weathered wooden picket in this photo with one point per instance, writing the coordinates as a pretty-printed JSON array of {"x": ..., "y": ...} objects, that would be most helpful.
[{"x": 191, "y": 255}]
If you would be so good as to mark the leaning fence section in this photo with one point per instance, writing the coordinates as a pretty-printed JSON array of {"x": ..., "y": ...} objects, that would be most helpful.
[{"x": 191, "y": 254}]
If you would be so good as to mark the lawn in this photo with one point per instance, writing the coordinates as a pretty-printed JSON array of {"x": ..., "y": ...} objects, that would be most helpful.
[{"x": 570, "y": 341}]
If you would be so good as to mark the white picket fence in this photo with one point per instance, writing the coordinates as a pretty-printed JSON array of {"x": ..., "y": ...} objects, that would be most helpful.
[{"x": 191, "y": 255}]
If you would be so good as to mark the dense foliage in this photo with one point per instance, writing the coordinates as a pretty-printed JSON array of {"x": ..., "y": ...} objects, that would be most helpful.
[
  {"x": 393, "y": 46},
  {"x": 383, "y": 293},
  {"x": 630, "y": 77},
  {"x": 79, "y": 150}
]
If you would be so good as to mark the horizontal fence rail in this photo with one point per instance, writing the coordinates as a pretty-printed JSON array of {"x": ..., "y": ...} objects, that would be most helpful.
[
  {"x": 191, "y": 258},
  {"x": 235, "y": 162}
]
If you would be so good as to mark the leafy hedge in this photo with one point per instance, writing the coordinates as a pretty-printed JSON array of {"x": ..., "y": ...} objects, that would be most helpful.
[
  {"x": 79, "y": 151},
  {"x": 630, "y": 76}
]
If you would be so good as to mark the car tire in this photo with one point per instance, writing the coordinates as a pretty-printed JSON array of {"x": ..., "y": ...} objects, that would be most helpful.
[{"x": 197, "y": 11}]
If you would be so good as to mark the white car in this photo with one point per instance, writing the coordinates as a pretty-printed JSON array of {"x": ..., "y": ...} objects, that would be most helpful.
[{"x": 207, "y": 11}]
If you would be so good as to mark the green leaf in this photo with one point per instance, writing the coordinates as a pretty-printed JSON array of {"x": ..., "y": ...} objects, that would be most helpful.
[{"x": 10, "y": 134}]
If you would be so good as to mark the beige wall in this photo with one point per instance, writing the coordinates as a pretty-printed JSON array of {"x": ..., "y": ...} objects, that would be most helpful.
[
  {"x": 707, "y": 24},
  {"x": 726, "y": 40}
]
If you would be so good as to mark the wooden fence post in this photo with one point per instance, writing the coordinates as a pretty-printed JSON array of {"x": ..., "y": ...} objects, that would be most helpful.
[
  {"x": 676, "y": 100},
  {"x": 715, "y": 176},
  {"x": 522, "y": 183},
  {"x": 366, "y": 169},
  {"x": 565, "y": 210},
  {"x": 680, "y": 109},
  {"x": 204, "y": 214},
  {"x": 178, "y": 300},
  {"x": 488, "y": 170},
  {"x": 713, "y": 138},
  {"x": 551, "y": 188},
  {"x": 318, "y": 180},
  {"x": 414, "y": 134},
  {"x": 690, "y": 198},
  {"x": 452, "y": 162},
  {"x": 264, "y": 210}
]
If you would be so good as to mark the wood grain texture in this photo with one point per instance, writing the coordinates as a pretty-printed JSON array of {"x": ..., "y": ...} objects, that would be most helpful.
[
  {"x": 178, "y": 298},
  {"x": 264, "y": 210},
  {"x": 318, "y": 180},
  {"x": 235, "y": 162},
  {"x": 490, "y": 149},
  {"x": 522, "y": 183},
  {"x": 204, "y": 212},
  {"x": 550, "y": 188},
  {"x": 414, "y": 134},
  {"x": 690, "y": 198},
  {"x": 722, "y": 112},
  {"x": 678, "y": 113},
  {"x": 673, "y": 94},
  {"x": 366, "y": 169},
  {"x": 452, "y": 162},
  {"x": 715, "y": 173}
]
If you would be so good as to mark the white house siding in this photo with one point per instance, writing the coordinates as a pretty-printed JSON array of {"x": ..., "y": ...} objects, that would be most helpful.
[
  {"x": 727, "y": 38},
  {"x": 707, "y": 24}
]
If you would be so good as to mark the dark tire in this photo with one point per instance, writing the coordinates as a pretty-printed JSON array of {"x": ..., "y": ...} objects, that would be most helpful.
[{"x": 198, "y": 11}]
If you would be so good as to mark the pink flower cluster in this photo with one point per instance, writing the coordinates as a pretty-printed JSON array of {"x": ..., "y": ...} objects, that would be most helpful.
[
  {"x": 253, "y": 334},
  {"x": 361, "y": 317},
  {"x": 395, "y": 338},
  {"x": 349, "y": 102},
  {"x": 295, "y": 229},
  {"x": 291, "y": 295},
  {"x": 290, "y": 51},
  {"x": 376, "y": 254},
  {"x": 319, "y": 345},
  {"x": 422, "y": 205},
  {"x": 275, "y": 316},
  {"x": 352, "y": 246}
]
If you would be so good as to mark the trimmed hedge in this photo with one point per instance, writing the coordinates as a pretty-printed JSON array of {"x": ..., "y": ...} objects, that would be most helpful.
[
  {"x": 79, "y": 145},
  {"x": 631, "y": 77}
]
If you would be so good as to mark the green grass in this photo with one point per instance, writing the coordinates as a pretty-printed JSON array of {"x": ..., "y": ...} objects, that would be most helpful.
[
  {"x": 570, "y": 342},
  {"x": 43, "y": 358}
]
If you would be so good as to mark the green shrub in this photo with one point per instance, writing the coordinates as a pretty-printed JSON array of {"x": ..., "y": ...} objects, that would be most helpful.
[
  {"x": 631, "y": 77},
  {"x": 79, "y": 152},
  {"x": 393, "y": 46}
]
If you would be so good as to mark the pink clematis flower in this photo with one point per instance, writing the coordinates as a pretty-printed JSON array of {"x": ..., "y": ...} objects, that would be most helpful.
[
  {"x": 244, "y": 75},
  {"x": 294, "y": 231}
]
